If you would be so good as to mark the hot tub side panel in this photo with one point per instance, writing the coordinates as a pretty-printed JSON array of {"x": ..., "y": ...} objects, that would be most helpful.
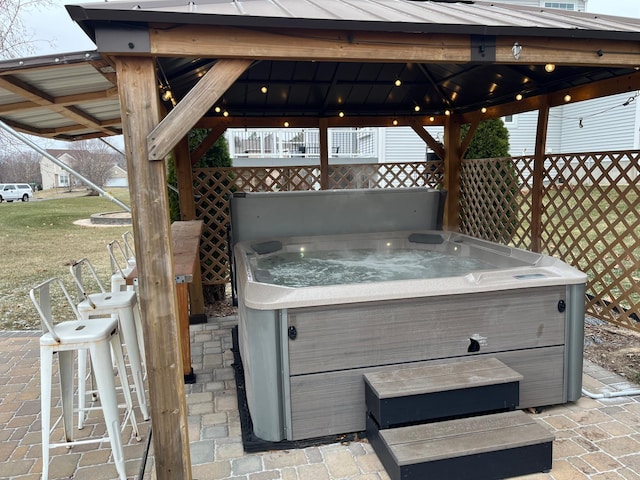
[
  {"x": 336, "y": 345},
  {"x": 259, "y": 338}
]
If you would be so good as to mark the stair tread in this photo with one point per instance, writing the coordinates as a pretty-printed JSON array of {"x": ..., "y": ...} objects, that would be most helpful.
[
  {"x": 440, "y": 377},
  {"x": 464, "y": 436}
]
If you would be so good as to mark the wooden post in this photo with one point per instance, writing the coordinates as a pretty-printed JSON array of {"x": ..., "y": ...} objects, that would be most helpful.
[
  {"x": 324, "y": 153},
  {"x": 452, "y": 167},
  {"x": 137, "y": 86},
  {"x": 538, "y": 173},
  {"x": 188, "y": 212}
]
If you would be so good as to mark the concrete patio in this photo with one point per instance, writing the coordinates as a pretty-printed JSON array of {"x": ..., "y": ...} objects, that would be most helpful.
[{"x": 595, "y": 439}]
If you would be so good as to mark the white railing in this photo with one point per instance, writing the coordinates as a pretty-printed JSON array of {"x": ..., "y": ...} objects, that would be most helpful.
[{"x": 301, "y": 143}]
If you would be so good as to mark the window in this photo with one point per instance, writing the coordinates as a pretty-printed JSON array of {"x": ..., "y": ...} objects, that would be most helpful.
[{"x": 561, "y": 5}]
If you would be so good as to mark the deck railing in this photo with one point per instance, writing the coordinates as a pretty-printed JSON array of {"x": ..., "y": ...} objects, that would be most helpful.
[{"x": 585, "y": 212}]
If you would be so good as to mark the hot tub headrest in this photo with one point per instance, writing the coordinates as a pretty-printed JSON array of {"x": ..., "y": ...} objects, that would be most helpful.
[
  {"x": 263, "y": 248},
  {"x": 427, "y": 238}
]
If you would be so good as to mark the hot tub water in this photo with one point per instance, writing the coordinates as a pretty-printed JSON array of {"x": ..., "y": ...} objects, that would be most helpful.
[{"x": 336, "y": 267}]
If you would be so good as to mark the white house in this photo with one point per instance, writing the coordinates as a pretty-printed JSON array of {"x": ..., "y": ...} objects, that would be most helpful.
[{"x": 54, "y": 176}]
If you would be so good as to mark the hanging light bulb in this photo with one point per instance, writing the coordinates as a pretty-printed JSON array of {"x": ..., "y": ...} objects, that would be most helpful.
[
  {"x": 416, "y": 108},
  {"x": 286, "y": 124},
  {"x": 483, "y": 109},
  {"x": 395, "y": 122},
  {"x": 432, "y": 119},
  {"x": 217, "y": 109},
  {"x": 567, "y": 98},
  {"x": 398, "y": 82},
  {"x": 447, "y": 112},
  {"x": 264, "y": 89},
  {"x": 549, "y": 67},
  {"x": 341, "y": 114},
  {"x": 519, "y": 97}
]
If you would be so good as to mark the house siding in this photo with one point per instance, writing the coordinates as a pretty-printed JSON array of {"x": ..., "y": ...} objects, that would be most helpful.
[{"x": 402, "y": 144}]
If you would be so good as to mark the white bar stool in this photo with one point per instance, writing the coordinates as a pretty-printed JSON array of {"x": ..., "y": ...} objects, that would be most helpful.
[
  {"x": 65, "y": 338},
  {"x": 124, "y": 306},
  {"x": 120, "y": 266},
  {"x": 129, "y": 247}
]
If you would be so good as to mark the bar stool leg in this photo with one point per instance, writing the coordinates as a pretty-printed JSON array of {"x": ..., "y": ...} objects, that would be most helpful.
[
  {"x": 102, "y": 365},
  {"x": 65, "y": 361},
  {"x": 46, "y": 372},
  {"x": 128, "y": 328}
]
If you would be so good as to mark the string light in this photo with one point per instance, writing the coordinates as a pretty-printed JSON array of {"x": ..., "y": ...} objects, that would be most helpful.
[
  {"x": 225, "y": 114},
  {"x": 217, "y": 109},
  {"x": 549, "y": 67},
  {"x": 567, "y": 98},
  {"x": 416, "y": 108},
  {"x": 432, "y": 119},
  {"x": 264, "y": 89},
  {"x": 286, "y": 124},
  {"x": 395, "y": 122},
  {"x": 519, "y": 97},
  {"x": 483, "y": 109},
  {"x": 447, "y": 112},
  {"x": 398, "y": 82}
]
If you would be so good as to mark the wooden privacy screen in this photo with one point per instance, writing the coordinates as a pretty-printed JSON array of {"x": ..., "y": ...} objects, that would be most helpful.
[
  {"x": 589, "y": 218},
  {"x": 586, "y": 212}
]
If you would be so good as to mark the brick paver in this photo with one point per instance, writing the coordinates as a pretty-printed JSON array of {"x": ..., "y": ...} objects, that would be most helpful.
[{"x": 595, "y": 439}]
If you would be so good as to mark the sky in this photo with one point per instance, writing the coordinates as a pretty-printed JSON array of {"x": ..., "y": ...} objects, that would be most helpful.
[{"x": 55, "y": 32}]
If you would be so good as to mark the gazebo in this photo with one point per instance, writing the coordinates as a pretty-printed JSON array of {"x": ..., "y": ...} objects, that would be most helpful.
[{"x": 165, "y": 67}]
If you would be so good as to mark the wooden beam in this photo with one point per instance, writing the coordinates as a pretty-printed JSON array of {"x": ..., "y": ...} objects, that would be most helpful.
[
  {"x": 611, "y": 86},
  {"x": 324, "y": 154},
  {"x": 38, "y": 97},
  {"x": 569, "y": 51},
  {"x": 538, "y": 174},
  {"x": 452, "y": 168},
  {"x": 154, "y": 261},
  {"x": 308, "y": 44},
  {"x": 193, "y": 106},
  {"x": 308, "y": 122},
  {"x": 475, "y": 122},
  {"x": 428, "y": 139},
  {"x": 183, "y": 165}
]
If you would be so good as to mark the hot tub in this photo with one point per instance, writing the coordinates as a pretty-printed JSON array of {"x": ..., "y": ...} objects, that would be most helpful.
[{"x": 305, "y": 343}]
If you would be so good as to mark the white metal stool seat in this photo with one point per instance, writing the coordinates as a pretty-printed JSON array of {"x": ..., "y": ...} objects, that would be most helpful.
[
  {"x": 64, "y": 338},
  {"x": 122, "y": 305}
]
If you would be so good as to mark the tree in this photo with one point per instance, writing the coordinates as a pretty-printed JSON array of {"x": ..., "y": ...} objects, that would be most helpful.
[
  {"x": 94, "y": 160},
  {"x": 491, "y": 140},
  {"x": 19, "y": 167}
]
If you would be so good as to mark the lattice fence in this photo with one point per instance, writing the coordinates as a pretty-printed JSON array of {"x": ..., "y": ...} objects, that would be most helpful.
[
  {"x": 589, "y": 218},
  {"x": 589, "y": 212},
  {"x": 213, "y": 188}
]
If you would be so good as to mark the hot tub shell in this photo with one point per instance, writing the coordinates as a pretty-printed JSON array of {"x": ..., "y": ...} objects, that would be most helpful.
[{"x": 304, "y": 350}]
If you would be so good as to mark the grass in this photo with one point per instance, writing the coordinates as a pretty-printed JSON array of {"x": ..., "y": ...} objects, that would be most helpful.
[{"x": 39, "y": 240}]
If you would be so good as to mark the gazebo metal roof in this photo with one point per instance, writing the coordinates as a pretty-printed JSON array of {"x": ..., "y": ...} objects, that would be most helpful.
[{"x": 75, "y": 95}]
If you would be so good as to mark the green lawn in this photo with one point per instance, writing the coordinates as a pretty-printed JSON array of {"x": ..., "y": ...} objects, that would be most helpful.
[{"x": 39, "y": 240}]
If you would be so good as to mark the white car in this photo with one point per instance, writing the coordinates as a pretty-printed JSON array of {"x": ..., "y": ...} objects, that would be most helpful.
[{"x": 15, "y": 191}]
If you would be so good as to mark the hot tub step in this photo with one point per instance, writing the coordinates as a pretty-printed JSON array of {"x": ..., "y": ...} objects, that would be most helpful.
[
  {"x": 433, "y": 392},
  {"x": 487, "y": 447}
]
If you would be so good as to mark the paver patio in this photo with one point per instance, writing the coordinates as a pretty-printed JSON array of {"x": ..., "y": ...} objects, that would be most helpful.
[{"x": 595, "y": 439}]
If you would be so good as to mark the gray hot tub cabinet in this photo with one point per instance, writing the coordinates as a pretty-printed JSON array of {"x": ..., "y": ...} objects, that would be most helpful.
[{"x": 304, "y": 358}]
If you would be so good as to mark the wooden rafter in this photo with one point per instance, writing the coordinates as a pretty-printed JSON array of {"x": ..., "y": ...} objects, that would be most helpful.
[
  {"x": 41, "y": 99},
  {"x": 193, "y": 106}
]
